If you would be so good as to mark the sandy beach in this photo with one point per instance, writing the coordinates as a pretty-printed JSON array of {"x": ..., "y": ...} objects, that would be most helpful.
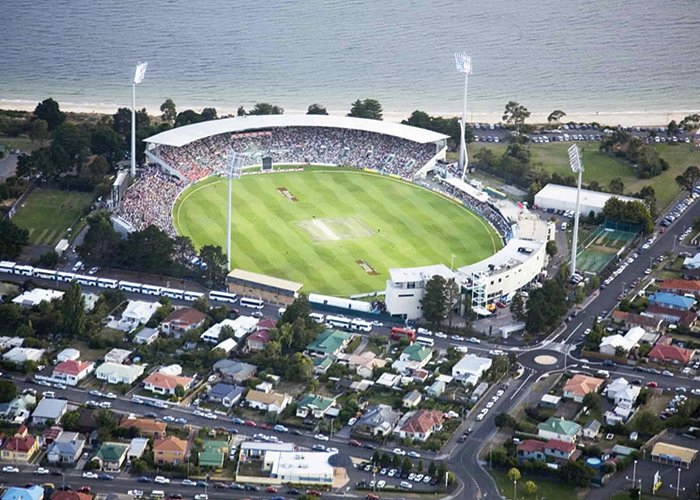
[{"x": 610, "y": 118}]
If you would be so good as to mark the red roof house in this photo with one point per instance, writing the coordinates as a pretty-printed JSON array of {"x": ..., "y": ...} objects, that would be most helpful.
[
  {"x": 73, "y": 371},
  {"x": 670, "y": 354},
  {"x": 182, "y": 320},
  {"x": 257, "y": 340},
  {"x": 420, "y": 425}
]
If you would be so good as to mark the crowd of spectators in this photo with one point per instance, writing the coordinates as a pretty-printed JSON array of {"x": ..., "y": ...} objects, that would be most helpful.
[
  {"x": 321, "y": 145},
  {"x": 149, "y": 201}
]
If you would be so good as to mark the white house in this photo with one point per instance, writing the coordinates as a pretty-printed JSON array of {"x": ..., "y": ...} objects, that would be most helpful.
[
  {"x": 146, "y": 336},
  {"x": 36, "y": 296},
  {"x": 117, "y": 355},
  {"x": 267, "y": 401},
  {"x": 137, "y": 312},
  {"x": 68, "y": 354},
  {"x": 241, "y": 326},
  {"x": 628, "y": 341},
  {"x": 471, "y": 368},
  {"x": 72, "y": 372},
  {"x": 620, "y": 390},
  {"x": 19, "y": 355},
  {"x": 115, "y": 373}
]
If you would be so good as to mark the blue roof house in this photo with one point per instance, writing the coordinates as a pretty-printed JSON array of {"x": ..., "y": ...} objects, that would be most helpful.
[
  {"x": 31, "y": 493},
  {"x": 672, "y": 301}
]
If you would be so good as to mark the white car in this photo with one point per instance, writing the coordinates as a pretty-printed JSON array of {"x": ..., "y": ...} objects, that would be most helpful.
[
  {"x": 399, "y": 452},
  {"x": 90, "y": 475},
  {"x": 10, "y": 469},
  {"x": 105, "y": 405},
  {"x": 441, "y": 335},
  {"x": 111, "y": 395},
  {"x": 48, "y": 394},
  {"x": 414, "y": 454},
  {"x": 321, "y": 437},
  {"x": 161, "y": 480},
  {"x": 480, "y": 417},
  {"x": 381, "y": 484},
  {"x": 135, "y": 493},
  {"x": 42, "y": 472},
  {"x": 332, "y": 450},
  {"x": 201, "y": 496},
  {"x": 352, "y": 421},
  {"x": 95, "y": 392},
  {"x": 489, "y": 405}
]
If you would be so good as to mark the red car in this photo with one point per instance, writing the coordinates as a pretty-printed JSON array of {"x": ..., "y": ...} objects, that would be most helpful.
[
  {"x": 271, "y": 489},
  {"x": 265, "y": 426},
  {"x": 355, "y": 443},
  {"x": 250, "y": 423},
  {"x": 371, "y": 496},
  {"x": 652, "y": 384}
]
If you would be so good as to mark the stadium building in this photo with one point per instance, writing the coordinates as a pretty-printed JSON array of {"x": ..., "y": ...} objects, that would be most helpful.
[{"x": 557, "y": 197}]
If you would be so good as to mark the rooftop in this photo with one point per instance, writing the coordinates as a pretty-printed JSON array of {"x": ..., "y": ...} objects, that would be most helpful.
[
  {"x": 263, "y": 279},
  {"x": 185, "y": 315},
  {"x": 588, "y": 197},
  {"x": 329, "y": 342},
  {"x": 560, "y": 426}
]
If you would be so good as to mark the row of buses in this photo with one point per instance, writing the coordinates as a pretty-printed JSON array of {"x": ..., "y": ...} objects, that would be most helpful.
[
  {"x": 339, "y": 322},
  {"x": 7, "y": 267}
]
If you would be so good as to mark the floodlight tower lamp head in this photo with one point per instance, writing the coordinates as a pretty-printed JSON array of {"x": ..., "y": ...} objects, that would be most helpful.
[
  {"x": 463, "y": 62},
  {"x": 575, "y": 160}
]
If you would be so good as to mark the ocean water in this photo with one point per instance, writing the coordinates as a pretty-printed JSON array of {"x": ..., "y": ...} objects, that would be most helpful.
[{"x": 584, "y": 55}]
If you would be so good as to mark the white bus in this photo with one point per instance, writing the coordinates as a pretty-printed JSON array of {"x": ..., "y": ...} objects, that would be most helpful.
[
  {"x": 173, "y": 293},
  {"x": 128, "y": 286},
  {"x": 252, "y": 303},
  {"x": 360, "y": 325},
  {"x": 150, "y": 290},
  {"x": 46, "y": 274},
  {"x": 318, "y": 318},
  {"x": 426, "y": 341},
  {"x": 229, "y": 298},
  {"x": 24, "y": 270},
  {"x": 65, "y": 276},
  {"x": 107, "y": 283},
  {"x": 86, "y": 280},
  {"x": 338, "y": 322},
  {"x": 192, "y": 296},
  {"x": 6, "y": 266}
]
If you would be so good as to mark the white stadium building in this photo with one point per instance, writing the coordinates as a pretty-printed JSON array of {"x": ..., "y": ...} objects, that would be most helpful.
[{"x": 558, "y": 197}]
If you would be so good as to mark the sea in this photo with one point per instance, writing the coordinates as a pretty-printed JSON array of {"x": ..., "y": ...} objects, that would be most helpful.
[{"x": 582, "y": 55}]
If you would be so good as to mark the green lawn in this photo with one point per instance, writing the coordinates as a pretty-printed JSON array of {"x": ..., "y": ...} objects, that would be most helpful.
[
  {"x": 21, "y": 143},
  {"x": 602, "y": 168},
  {"x": 48, "y": 213},
  {"x": 337, "y": 231},
  {"x": 549, "y": 488}
]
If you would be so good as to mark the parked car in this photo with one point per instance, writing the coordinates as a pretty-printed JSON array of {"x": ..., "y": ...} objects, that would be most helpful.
[{"x": 161, "y": 480}]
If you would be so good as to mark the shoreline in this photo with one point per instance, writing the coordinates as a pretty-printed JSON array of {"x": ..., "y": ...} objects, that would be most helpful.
[{"x": 609, "y": 118}]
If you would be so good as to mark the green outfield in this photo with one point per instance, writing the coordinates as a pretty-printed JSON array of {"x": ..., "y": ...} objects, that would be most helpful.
[
  {"x": 48, "y": 213},
  {"x": 338, "y": 231}
]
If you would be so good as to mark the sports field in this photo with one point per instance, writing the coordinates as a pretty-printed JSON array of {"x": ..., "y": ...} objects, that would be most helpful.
[
  {"x": 600, "y": 248},
  {"x": 338, "y": 231},
  {"x": 48, "y": 213}
]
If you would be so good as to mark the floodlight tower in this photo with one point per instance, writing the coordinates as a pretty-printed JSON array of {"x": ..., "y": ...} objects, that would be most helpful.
[
  {"x": 234, "y": 168},
  {"x": 463, "y": 62},
  {"x": 577, "y": 168},
  {"x": 138, "y": 78}
]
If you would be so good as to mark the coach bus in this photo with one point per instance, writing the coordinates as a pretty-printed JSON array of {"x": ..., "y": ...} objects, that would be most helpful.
[
  {"x": 192, "y": 296},
  {"x": 128, "y": 286},
  {"x": 426, "y": 341},
  {"x": 398, "y": 333},
  {"x": 46, "y": 274},
  {"x": 65, "y": 276},
  {"x": 252, "y": 303},
  {"x": 318, "y": 318},
  {"x": 24, "y": 270},
  {"x": 360, "y": 325},
  {"x": 150, "y": 290},
  {"x": 229, "y": 298},
  {"x": 86, "y": 280},
  {"x": 338, "y": 322},
  {"x": 107, "y": 283},
  {"x": 172, "y": 293},
  {"x": 6, "y": 266}
]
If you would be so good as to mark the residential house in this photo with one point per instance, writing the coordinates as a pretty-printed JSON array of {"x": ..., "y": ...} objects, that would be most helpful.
[
  {"x": 235, "y": 370},
  {"x": 419, "y": 425},
  {"x": 66, "y": 448},
  {"x": 72, "y": 372},
  {"x": 670, "y": 354},
  {"x": 19, "y": 448},
  {"x": 671, "y": 301},
  {"x": 145, "y": 426},
  {"x": 680, "y": 287},
  {"x": 17, "y": 410},
  {"x": 137, "y": 312},
  {"x": 561, "y": 451},
  {"x": 257, "y": 340},
  {"x": 550, "y": 401},
  {"x": 540, "y": 451},
  {"x": 29, "y": 493},
  {"x": 137, "y": 447},
  {"x": 592, "y": 429},
  {"x": 531, "y": 449},
  {"x": 559, "y": 429},
  {"x": 267, "y": 401},
  {"x": 68, "y": 354},
  {"x": 118, "y": 356},
  {"x": 314, "y": 405},
  {"x": 647, "y": 322},
  {"x": 321, "y": 365},
  {"x": 673, "y": 316},
  {"x": 387, "y": 379},
  {"x": 115, "y": 373},
  {"x": 226, "y": 394},
  {"x": 164, "y": 383},
  {"x": 579, "y": 385},
  {"x": 413, "y": 358},
  {"x": 329, "y": 343},
  {"x": 226, "y": 345},
  {"x": 71, "y": 495},
  {"x": 609, "y": 345},
  {"x": 182, "y": 321},
  {"x": 20, "y": 355},
  {"x": 412, "y": 399},
  {"x": 471, "y": 368},
  {"x": 622, "y": 412},
  {"x": 241, "y": 326},
  {"x": 111, "y": 456},
  {"x": 365, "y": 363},
  {"x": 146, "y": 336},
  {"x": 49, "y": 410},
  {"x": 436, "y": 389},
  {"x": 169, "y": 450},
  {"x": 620, "y": 390},
  {"x": 213, "y": 453},
  {"x": 36, "y": 296},
  {"x": 378, "y": 420},
  {"x": 49, "y": 435}
]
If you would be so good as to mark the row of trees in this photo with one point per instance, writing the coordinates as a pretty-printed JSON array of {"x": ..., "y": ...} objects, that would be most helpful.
[{"x": 634, "y": 212}]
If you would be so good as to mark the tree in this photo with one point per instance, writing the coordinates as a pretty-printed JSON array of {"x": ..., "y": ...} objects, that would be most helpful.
[
  {"x": 592, "y": 400},
  {"x": 545, "y": 306},
  {"x": 241, "y": 111},
  {"x": 505, "y": 420},
  {"x": 551, "y": 248},
  {"x": 216, "y": 265},
  {"x": 121, "y": 121},
  {"x": 555, "y": 116},
  {"x": 73, "y": 141},
  {"x": 367, "y": 108},
  {"x": 434, "y": 302},
  {"x": 8, "y": 391},
  {"x": 316, "y": 109},
  {"x": 12, "y": 239},
  {"x": 39, "y": 131},
  {"x": 517, "y": 307},
  {"x": 187, "y": 117},
  {"x": 209, "y": 114},
  {"x": 49, "y": 111},
  {"x": 406, "y": 465},
  {"x": 106, "y": 142},
  {"x": 432, "y": 469},
  {"x": 101, "y": 243},
  {"x": 515, "y": 113},
  {"x": 73, "y": 311},
  {"x": 577, "y": 473},
  {"x": 265, "y": 108},
  {"x": 530, "y": 488},
  {"x": 688, "y": 178},
  {"x": 672, "y": 128},
  {"x": 179, "y": 391},
  {"x": 168, "y": 110},
  {"x": 616, "y": 185}
]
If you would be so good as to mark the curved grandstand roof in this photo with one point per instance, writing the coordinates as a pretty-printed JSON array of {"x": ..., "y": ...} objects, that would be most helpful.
[{"x": 190, "y": 133}]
